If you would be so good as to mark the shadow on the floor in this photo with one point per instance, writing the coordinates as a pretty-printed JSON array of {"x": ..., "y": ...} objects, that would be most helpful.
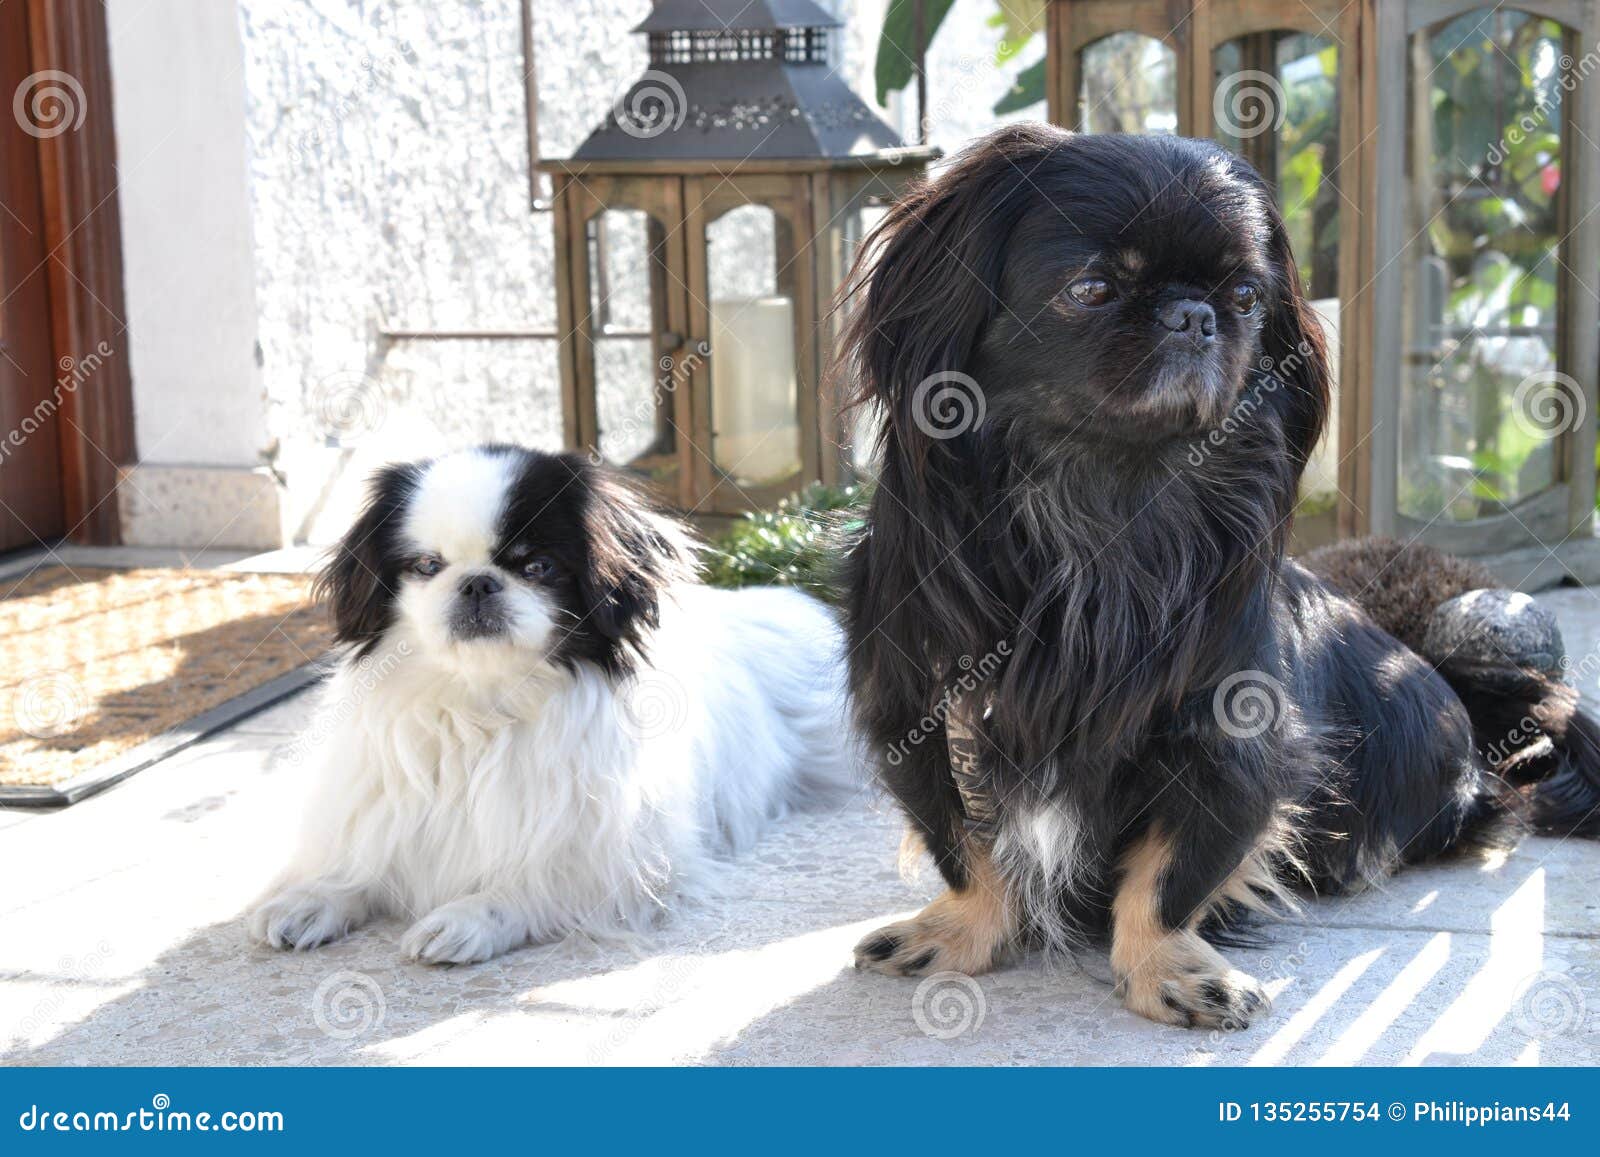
[{"x": 765, "y": 979}]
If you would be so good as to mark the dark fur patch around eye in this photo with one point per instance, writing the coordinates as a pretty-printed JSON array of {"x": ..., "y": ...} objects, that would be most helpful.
[{"x": 360, "y": 579}]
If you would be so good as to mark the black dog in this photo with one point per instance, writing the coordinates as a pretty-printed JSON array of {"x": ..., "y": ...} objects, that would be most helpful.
[{"x": 1101, "y": 383}]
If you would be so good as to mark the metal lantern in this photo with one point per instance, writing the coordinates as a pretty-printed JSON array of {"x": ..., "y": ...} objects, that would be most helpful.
[
  {"x": 701, "y": 232},
  {"x": 1436, "y": 166}
]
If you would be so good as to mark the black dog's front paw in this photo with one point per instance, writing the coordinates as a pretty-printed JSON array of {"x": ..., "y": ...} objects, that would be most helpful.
[{"x": 1225, "y": 1000}]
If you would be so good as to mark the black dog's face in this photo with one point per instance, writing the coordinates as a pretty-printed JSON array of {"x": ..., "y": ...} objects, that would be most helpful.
[
  {"x": 1136, "y": 309},
  {"x": 1134, "y": 294},
  {"x": 502, "y": 557},
  {"x": 1112, "y": 289}
]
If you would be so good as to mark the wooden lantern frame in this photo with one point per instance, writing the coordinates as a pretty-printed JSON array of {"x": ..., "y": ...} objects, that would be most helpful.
[
  {"x": 1551, "y": 532},
  {"x": 814, "y": 203}
]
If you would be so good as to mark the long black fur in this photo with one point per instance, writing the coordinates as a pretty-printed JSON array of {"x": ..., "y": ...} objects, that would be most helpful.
[
  {"x": 1118, "y": 519},
  {"x": 1532, "y": 727}
]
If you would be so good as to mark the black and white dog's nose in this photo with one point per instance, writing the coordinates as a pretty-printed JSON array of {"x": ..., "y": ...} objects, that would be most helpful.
[
  {"x": 480, "y": 586},
  {"x": 1195, "y": 318}
]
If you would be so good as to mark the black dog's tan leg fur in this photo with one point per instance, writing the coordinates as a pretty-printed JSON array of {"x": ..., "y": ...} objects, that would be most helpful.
[
  {"x": 1170, "y": 974},
  {"x": 961, "y": 931}
]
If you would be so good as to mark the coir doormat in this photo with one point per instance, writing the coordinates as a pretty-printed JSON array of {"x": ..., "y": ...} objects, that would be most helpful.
[{"x": 102, "y": 672}]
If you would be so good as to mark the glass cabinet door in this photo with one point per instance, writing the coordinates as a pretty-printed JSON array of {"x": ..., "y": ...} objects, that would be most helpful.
[
  {"x": 1481, "y": 403},
  {"x": 1129, "y": 84},
  {"x": 1276, "y": 102}
]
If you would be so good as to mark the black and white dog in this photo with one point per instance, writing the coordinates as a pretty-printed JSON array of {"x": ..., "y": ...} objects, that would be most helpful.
[
  {"x": 1184, "y": 721},
  {"x": 541, "y": 722}
]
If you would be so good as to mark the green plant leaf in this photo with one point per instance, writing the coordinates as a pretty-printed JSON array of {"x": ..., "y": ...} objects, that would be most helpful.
[
  {"x": 897, "y": 48},
  {"x": 1028, "y": 90}
]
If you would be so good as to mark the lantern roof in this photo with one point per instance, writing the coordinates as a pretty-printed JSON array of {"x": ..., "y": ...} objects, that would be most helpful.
[
  {"x": 735, "y": 16},
  {"x": 742, "y": 81}
]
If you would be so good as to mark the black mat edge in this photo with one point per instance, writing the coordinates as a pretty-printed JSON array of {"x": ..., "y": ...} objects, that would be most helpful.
[{"x": 168, "y": 743}]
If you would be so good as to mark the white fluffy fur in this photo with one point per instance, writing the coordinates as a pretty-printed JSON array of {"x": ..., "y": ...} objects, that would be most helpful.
[{"x": 493, "y": 799}]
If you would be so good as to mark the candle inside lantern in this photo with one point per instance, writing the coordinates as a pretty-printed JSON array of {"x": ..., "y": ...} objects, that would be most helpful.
[{"x": 755, "y": 423}]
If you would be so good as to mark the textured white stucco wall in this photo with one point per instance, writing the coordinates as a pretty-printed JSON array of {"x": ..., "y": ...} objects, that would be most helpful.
[
  {"x": 320, "y": 172},
  {"x": 300, "y": 177}
]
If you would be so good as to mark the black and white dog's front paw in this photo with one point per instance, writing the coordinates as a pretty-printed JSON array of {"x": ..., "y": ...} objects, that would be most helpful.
[{"x": 464, "y": 931}]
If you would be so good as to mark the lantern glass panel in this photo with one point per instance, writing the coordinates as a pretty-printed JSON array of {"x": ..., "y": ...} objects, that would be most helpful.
[
  {"x": 1481, "y": 404},
  {"x": 755, "y": 421},
  {"x": 633, "y": 393},
  {"x": 863, "y": 422},
  {"x": 1276, "y": 103},
  {"x": 1129, "y": 85}
]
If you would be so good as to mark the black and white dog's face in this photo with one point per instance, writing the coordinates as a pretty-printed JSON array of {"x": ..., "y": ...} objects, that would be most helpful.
[{"x": 502, "y": 552}]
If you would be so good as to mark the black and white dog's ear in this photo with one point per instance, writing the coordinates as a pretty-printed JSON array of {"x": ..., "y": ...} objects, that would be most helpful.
[
  {"x": 926, "y": 283},
  {"x": 359, "y": 580},
  {"x": 634, "y": 552},
  {"x": 1295, "y": 342}
]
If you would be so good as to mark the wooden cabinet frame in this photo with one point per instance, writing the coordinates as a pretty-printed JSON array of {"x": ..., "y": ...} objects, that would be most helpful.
[{"x": 1373, "y": 36}]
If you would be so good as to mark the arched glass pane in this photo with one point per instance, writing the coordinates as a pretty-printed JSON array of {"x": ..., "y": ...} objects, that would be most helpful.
[
  {"x": 627, "y": 290},
  {"x": 755, "y": 426},
  {"x": 1129, "y": 85},
  {"x": 1478, "y": 424},
  {"x": 1276, "y": 103}
]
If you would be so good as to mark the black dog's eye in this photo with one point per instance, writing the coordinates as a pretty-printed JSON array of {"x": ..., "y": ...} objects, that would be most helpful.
[
  {"x": 1246, "y": 297},
  {"x": 1091, "y": 291},
  {"x": 538, "y": 569},
  {"x": 428, "y": 565}
]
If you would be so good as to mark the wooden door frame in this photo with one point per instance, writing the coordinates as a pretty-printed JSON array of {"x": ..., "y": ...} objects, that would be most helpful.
[{"x": 83, "y": 245}]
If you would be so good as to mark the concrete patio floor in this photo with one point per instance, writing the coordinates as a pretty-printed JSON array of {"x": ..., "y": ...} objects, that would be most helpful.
[{"x": 121, "y": 942}]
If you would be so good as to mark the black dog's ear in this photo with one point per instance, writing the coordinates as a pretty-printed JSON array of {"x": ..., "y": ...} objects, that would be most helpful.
[
  {"x": 358, "y": 582},
  {"x": 634, "y": 551},
  {"x": 1295, "y": 343},
  {"x": 926, "y": 285}
]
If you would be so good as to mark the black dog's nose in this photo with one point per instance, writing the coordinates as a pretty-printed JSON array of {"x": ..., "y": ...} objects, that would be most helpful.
[
  {"x": 1186, "y": 315},
  {"x": 480, "y": 586}
]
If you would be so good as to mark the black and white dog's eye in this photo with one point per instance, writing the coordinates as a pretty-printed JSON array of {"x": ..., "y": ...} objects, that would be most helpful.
[
  {"x": 428, "y": 565},
  {"x": 538, "y": 569},
  {"x": 1091, "y": 291},
  {"x": 1246, "y": 297}
]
